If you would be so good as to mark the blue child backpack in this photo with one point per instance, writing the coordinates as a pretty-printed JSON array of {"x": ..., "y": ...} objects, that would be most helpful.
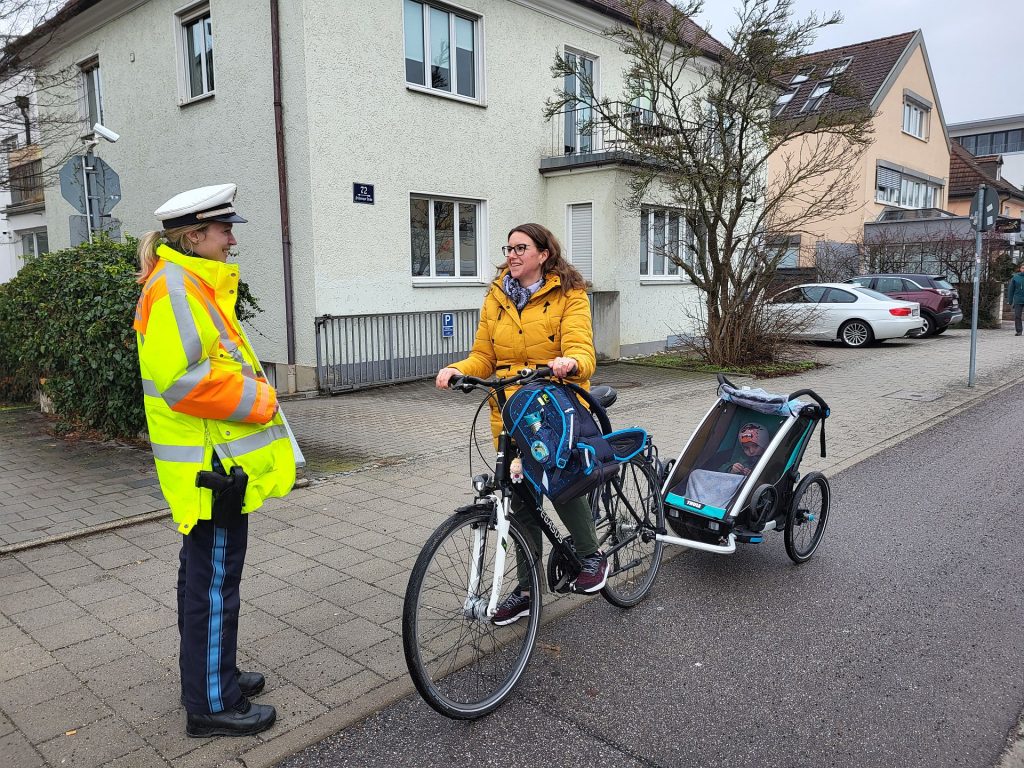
[{"x": 567, "y": 448}]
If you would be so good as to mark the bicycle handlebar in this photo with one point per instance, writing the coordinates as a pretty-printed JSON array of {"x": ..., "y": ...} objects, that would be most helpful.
[{"x": 525, "y": 375}]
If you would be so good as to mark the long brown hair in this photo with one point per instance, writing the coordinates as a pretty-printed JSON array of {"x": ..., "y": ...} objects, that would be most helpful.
[{"x": 545, "y": 240}]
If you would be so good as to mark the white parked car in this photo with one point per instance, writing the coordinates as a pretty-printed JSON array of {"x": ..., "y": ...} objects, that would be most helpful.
[{"x": 855, "y": 315}]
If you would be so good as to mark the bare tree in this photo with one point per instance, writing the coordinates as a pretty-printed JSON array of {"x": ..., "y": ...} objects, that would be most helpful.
[
  {"x": 696, "y": 118},
  {"x": 37, "y": 106}
]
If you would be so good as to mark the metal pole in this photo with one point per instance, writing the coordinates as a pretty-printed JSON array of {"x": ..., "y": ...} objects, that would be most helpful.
[
  {"x": 979, "y": 218},
  {"x": 86, "y": 166}
]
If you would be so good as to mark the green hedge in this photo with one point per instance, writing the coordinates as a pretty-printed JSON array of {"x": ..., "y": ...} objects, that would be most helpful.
[{"x": 66, "y": 321}]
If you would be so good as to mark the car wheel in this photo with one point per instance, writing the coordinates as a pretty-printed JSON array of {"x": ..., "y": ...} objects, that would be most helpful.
[
  {"x": 856, "y": 333},
  {"x": 927, "y": 326}
]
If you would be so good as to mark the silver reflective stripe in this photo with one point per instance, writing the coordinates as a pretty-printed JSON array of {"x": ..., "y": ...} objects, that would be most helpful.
[
  {"x": 149, "y": 388},
  {"x": 249, "y": 391},
  {"x": 187, "y": 330},
  {"x": 215, "y": 317},
  {"x": 188, "y": 381},
  {"x": 182, "y": 454},
  {"x": 251, "y": 443}
]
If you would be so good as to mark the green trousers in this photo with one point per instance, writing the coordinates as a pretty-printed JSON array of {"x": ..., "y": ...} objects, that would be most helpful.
[{"x": 576, "y": 516}]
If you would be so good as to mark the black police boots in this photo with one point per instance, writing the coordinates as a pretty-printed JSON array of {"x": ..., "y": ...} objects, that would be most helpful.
[
  {"x": 251, "y": 683},
  {"x": 244, "y": 719}
]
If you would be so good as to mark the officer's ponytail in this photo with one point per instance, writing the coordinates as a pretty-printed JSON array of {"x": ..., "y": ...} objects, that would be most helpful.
[{"x": 174, "y": 237}]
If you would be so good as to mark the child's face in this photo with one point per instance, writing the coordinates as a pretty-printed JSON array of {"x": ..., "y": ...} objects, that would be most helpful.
[{"x": 752, "y": 449}]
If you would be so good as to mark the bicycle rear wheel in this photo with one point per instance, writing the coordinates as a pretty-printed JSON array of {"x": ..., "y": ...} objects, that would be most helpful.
[
  {"x": 630, "y": 513},
  {"x": 463, "y": 665}
]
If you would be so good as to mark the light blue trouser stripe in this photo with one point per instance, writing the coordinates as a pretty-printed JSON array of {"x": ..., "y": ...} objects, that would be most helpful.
[{"x": 213, "y": 686}]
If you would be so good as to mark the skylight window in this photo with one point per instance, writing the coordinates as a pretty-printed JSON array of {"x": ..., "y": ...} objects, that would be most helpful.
[
  {"x": 839, "y": 67},
  {"x": 819, "y": 93},
  {"x": 802, "y": 75}
]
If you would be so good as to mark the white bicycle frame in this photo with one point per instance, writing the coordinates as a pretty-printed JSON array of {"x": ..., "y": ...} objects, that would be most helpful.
[{"x": 502, "y": 524}]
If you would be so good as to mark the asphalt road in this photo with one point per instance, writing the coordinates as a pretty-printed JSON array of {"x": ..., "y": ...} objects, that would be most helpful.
[{"x": 898, "y": 644}]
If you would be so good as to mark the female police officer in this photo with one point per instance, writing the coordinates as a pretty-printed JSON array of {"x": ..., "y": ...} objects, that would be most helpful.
[{"x": 219, "y": 443}]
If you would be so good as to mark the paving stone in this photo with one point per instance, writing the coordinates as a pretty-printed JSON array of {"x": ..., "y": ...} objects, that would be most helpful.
[
  {"x": 18, "y": 752},
  {"x": 287, "y": 645},
  {"x": 351, "y": 688},
  {"x": 147, "y": 757},
  {"x": 93, "y": 746},
  {"x": 111, "y": 679},
  {"x": 23, "y": 659},
  {"x": 37, "y": 686},
  {"x": 16, "y": 583},
  {"x": 123, "y": 605},
  {"x": 353, "y": 636},
  {"x": 53, "y": 717},
  {"x": 70, "y": 632},
  {"x": 98, "y": 590},
  {"x": 320, "y": 669},
  {"x": 95, "y": 652},
  {"x": 317, "y": 617},
  {"x": 285, "y": 600}
]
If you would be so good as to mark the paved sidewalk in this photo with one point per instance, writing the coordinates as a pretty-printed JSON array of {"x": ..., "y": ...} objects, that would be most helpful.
[{"x": 88, "y": 639}]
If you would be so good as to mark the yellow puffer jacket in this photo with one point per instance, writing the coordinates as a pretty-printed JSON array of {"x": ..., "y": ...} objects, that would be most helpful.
[{"x": 554, "y": 323}]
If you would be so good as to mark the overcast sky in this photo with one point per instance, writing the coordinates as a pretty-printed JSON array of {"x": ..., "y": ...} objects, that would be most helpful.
[{"x": 976, "y": 48}]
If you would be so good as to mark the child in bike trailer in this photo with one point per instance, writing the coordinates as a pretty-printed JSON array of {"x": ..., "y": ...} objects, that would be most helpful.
[
  {"x": 537, "y": 313},
  {"x": 753, "y": 440}
]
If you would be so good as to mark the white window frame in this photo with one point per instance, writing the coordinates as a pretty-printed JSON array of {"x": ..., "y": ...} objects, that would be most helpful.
[
  {"x": 482, "y": 238},
  {"x": 915, "y": 116},
  {"x": 647, "y": 225},
  {"x": 90, "y": 72},
  {"x": 24, "y": 234},
  {"x": 595, "y": 137},
  {"x": 478, "y": 52},
  {"x": 840, "y": 66},
  {"x": 803, "y": 75},
  {"x": 573, "y": 259},
  {"x": 182, "y": 18},
  {"x": 784, "y": 99},
  {"x": 821, "y": 90}
]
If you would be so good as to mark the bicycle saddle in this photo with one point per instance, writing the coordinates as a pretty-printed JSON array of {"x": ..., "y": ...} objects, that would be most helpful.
[{"x": 604, "y": 394}]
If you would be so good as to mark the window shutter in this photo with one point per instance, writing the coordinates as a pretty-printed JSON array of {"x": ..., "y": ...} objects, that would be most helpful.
[
  {"x": 581, "y": 242},
  {"x": 887, "y": 177}
]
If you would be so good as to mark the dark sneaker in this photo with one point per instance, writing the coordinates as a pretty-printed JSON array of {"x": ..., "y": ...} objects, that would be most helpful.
[
  {"x": 594, "y": 573},
  {"x": 243, "y": 719},
  {"x": 512, "y": 608}
]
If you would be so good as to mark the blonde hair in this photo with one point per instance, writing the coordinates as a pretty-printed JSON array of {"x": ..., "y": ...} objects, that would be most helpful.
[
  {"x": 545, "y": 240},
  {"x": 174, "y": 237}
]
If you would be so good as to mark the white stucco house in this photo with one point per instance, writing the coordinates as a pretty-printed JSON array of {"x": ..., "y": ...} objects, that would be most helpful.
[{"x": 382, "y": 151}]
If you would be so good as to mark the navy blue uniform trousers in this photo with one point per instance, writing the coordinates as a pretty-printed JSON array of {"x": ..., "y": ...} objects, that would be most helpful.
[{"x": 209, "y": 573}]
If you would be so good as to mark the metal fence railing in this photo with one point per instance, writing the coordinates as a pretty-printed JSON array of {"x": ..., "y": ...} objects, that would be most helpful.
[{"x": 356, "y": 351}]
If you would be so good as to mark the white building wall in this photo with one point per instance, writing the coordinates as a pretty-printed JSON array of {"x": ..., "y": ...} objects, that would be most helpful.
[
  {"x": 350, "y": 118},
  {"x": 166, "y": 148}
]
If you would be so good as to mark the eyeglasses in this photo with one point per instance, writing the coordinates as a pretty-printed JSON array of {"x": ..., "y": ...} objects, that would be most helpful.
[{"x": 520, "y": 249}]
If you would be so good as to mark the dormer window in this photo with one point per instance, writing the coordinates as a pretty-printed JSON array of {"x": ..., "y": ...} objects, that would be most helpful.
[
  {"x": 814, "y": 100},
  {"x": 839, "y": 67},
  {"x": 802, "y": 75}
]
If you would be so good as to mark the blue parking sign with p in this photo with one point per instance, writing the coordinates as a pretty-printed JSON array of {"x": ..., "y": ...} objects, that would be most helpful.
[{"x": 447, "y": 325}]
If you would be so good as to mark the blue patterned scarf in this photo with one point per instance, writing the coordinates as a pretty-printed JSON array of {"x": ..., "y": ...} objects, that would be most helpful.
[{"x": 516, "y": 292}]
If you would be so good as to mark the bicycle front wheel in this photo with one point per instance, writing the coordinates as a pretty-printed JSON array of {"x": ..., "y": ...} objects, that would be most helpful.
[
  {"x": 463, "y": 665},
  {"x": 631, "y": 512}
]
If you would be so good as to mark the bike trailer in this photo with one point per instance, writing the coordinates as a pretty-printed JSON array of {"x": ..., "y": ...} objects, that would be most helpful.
[
  {"x": 565, "y": 440},
  {"x": 736, "y": 477}
]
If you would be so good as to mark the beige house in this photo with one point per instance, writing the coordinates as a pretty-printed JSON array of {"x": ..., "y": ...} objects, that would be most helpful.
[{"x": 907, "y": 166}]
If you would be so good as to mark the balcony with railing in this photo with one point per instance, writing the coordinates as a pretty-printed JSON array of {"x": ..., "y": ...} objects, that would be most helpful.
[
  {"x": 25, "y": 179},
  {"x": 580, "y": 137}
]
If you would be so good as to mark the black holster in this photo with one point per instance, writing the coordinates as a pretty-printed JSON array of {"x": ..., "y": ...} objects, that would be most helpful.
[{"x": 228, "y": 494}]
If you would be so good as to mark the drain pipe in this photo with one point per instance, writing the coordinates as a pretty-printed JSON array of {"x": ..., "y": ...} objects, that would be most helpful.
[{"x": 282, "y": 183}]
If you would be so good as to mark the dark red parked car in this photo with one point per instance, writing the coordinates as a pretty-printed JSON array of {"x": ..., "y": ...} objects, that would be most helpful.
[{"x": 939, "y": 300}]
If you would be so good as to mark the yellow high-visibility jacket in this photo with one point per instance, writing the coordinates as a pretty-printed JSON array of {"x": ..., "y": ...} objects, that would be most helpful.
[
  {"x": 554, "y": 323},
  {"x": 204, "y": 388}
]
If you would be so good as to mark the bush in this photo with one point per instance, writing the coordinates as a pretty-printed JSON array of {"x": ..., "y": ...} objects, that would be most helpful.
[{"x": 66, "y": 323}]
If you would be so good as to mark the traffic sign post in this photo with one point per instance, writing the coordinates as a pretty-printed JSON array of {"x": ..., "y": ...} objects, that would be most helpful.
[
  {"x": 93, "y": 188},
  {"x": 984, "y": 213},
  {"x": 447, "y": 325}
]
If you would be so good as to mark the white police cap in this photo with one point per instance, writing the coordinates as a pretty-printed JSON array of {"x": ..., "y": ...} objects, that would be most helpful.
[{"x": 199, "y": 206}]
